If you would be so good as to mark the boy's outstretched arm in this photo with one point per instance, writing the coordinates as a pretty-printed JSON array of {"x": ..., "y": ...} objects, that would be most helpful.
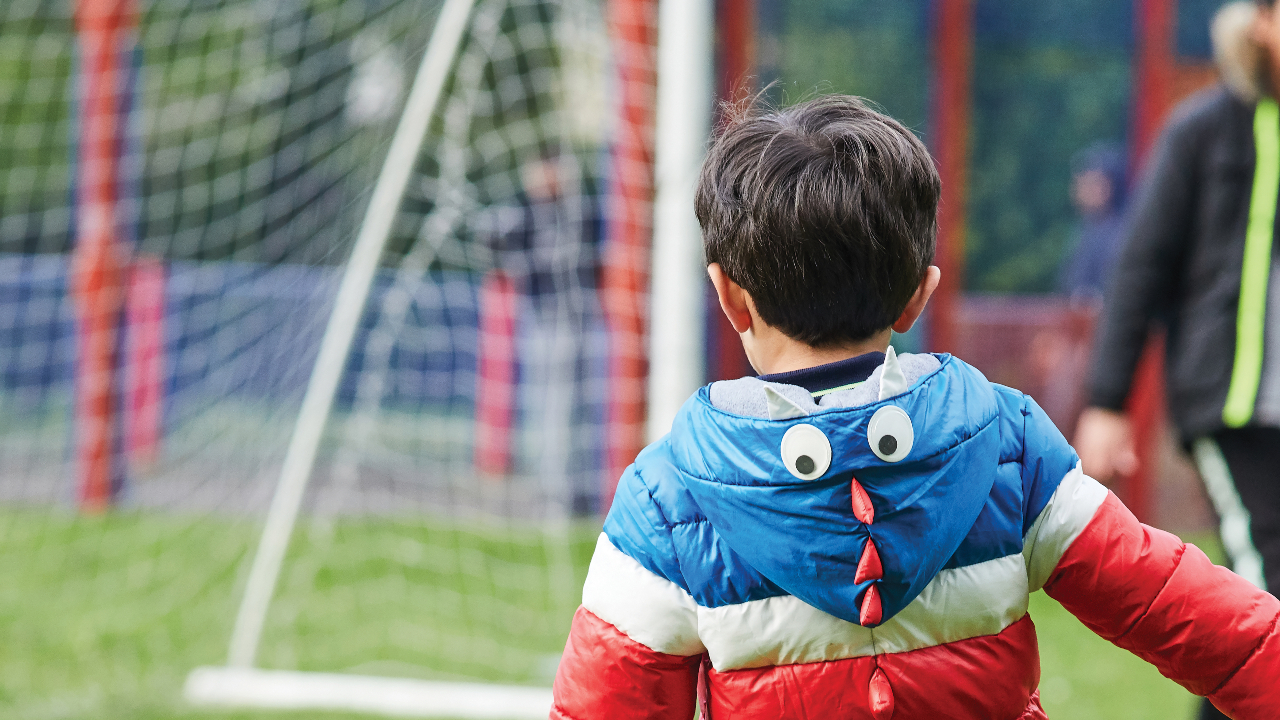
[
  {"x": 633, "y": 650},
  {"x": 1202, "y": 626},
  {"x": 1143, "y": 589}
]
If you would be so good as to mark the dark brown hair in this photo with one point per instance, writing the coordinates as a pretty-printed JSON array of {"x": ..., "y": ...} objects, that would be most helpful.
[{"x": 825, "y": 212}]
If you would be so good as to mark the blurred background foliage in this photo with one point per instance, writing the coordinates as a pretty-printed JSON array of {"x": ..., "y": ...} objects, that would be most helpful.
[{"x": 1049, "y": 80}]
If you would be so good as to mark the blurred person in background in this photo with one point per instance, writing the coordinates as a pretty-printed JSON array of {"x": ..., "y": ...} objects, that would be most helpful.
[
  {"x": 1197, "y": 255},
  {"x": 1098, "y": 181},
  {"x": 547, "y": 243}
]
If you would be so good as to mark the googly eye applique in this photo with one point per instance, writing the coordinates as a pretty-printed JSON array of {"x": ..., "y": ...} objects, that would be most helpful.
[
  {"x": 806, "y": 452},
  {"x": 890, "y": 433}
]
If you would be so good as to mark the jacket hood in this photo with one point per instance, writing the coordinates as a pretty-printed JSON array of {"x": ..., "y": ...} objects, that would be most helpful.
[
  {"x": 805, "y": 535},
  {"x": 1241, "y": 62}
]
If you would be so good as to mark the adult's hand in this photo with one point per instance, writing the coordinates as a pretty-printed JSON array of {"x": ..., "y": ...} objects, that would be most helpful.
[{"x": 1104, "y": 441}]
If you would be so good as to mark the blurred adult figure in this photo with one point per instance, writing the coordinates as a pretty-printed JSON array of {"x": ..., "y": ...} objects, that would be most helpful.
[
  {"x": 1197, "y": 254},
  {"x": 547, "y": 243},
  {"x": 1098, "y": 181}
]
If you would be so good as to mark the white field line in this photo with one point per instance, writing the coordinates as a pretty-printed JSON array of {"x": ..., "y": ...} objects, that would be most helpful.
[{"x": 395, "y": 697}]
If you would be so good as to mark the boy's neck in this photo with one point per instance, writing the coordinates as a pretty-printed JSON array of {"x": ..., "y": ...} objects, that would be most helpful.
[{"x": 772, "y": 352}]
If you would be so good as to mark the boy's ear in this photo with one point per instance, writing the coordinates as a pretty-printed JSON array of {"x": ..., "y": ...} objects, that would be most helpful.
[
  {"x": 915, "y": 306},
  {"x": 733, "y": 299}
]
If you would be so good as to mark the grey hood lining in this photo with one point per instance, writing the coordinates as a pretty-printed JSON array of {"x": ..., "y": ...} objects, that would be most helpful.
[{"x": 747, "y": 397}]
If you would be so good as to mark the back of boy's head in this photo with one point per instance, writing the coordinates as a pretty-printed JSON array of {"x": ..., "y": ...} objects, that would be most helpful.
[{"x": 825, "y": 212}]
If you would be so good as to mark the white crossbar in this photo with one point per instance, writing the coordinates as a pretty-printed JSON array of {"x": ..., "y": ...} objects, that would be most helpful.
[{"x": 395, "y": 697}]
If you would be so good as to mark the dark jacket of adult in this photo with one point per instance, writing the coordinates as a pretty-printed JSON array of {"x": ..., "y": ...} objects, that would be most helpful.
[{"x": 1184, "y": 251}]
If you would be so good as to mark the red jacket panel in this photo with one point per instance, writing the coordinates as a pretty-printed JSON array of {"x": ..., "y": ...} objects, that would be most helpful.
[
  {"x": 605, "y": 674},
  {"x": 956, "y": 676},
  {"x": 1239, "y": 696}
]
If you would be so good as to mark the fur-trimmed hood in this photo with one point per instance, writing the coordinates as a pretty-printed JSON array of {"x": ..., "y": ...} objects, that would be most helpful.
[{"x": 1241, "y": 62}]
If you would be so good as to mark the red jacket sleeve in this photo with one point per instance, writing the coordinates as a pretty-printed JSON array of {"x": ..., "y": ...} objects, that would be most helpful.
[
  {"x": 1201, "y": 625},
  {"x": 605, "y": 674}
]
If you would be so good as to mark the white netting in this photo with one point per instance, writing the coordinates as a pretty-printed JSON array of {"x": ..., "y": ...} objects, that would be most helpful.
[{"x": 447, "y": 524}]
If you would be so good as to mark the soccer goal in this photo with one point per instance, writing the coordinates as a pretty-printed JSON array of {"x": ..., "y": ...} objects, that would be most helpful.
[
  {"x": 482, "y": 467},
  {"x": 308, "y": 384}
]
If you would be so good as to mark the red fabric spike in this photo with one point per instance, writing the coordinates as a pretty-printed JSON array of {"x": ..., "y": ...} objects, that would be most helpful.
[
  {"x": 871, "y": 613},
  {"x": 862, "y": 508},
  {"x": 869, "y": 567},
  {"x": 880, "y": 696}
]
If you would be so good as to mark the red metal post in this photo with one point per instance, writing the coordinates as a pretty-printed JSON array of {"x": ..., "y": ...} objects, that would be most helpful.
[
  {"x": 1155, "y": 72},
  {"x": 735, "y": 56},
  {"x": 735, "y": 47},
  {"x": 144, "y": 361},
  {"x": 496, "y": 376},
  {"x": 625, "y": 279},
  {"x": 953, "y": 67},
  {"x": 103, "y": 28}
]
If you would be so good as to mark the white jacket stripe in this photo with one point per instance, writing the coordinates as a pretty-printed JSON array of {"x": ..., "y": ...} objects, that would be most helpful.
[
  {"x": 649, "y": 609},
  {"x": 1069, "y": 511},
  {"x": 959, "y": 603}
]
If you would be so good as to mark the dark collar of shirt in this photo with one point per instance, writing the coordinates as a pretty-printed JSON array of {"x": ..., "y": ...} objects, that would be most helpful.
[{"x": 839, "y": 375}]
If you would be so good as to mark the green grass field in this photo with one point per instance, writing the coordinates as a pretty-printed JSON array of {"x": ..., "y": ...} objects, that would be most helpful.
[{"x": 102, "y": 618}]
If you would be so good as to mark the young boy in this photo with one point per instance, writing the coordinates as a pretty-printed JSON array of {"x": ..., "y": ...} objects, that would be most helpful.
[{"x": 852, "y": 534}]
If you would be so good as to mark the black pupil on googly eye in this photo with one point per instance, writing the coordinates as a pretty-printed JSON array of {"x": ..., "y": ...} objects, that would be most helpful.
[
  {"x": 804, "y": 464},
  {"x": 888, "y": 445}
]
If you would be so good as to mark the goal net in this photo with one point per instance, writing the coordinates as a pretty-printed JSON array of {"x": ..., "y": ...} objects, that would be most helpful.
[{"x": 188, "y": 192}]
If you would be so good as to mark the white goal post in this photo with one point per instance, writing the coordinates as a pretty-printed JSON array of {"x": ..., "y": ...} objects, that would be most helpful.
[
  {"x": 686, "y": 95},
  {"x": 353, "y": 293}
]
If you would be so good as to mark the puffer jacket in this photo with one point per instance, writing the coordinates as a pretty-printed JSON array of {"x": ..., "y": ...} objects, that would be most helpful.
[{"x": 872, "y": 556}]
